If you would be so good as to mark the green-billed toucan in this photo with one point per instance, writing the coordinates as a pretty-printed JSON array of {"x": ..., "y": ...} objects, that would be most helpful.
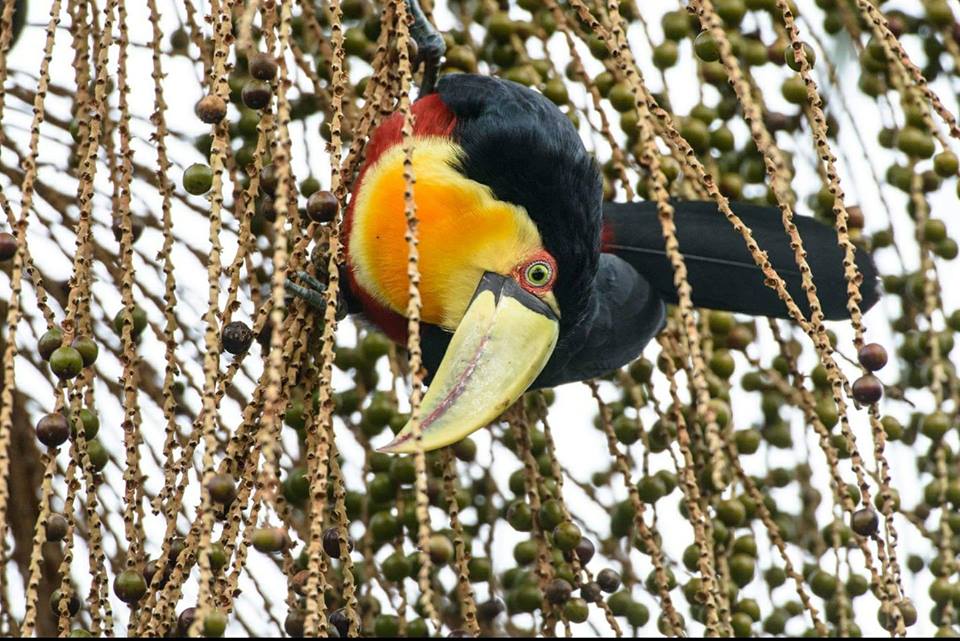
[{"x": 528, "y": 279}]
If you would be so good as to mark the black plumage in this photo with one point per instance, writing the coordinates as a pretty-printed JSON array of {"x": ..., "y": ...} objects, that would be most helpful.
[
  {"x": 720, "y": 268},
  {"x": 520, "y": 145}
]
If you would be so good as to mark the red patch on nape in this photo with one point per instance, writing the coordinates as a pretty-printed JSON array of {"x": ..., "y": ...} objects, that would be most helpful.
[
  {"x": 606, "y": 237},
  {"x": 431, "y": 118}
]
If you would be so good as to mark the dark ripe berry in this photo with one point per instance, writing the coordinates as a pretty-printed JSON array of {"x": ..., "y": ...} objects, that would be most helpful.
[
  {"x": 322, "y": 206},
  {"x": 197, "y": 179},
  {"x": 236, "y": 337},
  {"x": 338, "y": 619},
  {"x": 867, "y": 389},
  {"x": 222, "y": 488},
  {"x": 584, "y": 551},
  {"x": 855, "y": 218},
  {"x": 49, "y": 342},
  {"x": 73, "y": 604},
  {"x": 293, "y": 624},
  {"x": 130, "y": 586},
  {"x": 864, "y": 522},
  {"x": 66, "y": 362},
  {"x": 268, "y": 180},
  {"x": 262, "y": 66},
  {"x": 55, "y": 528},
  {"x": 8, "y": 246},
  {"x": 256, "y": 94},
  {"x": 331, "y": 542},
  {"x": 211, "y": 109},
  {"x": 53, "y": 430},
  {"x": 591, "y": 591},
  {"x": 136, "y": 227},
  {"x": 270, "y": 539},
  {"x": 299, "y": 582},
  {"x": 88, "y": 350},
  {"x": 266, "y": 208},
  {"x": 490, "y": 610},
  {"x": 558, "y": 591},
  {"x": 608, "y": 580},
  {"x": 873, "y": 356},
  {"x": 185, "y": 620},
  {"x": 263, "y": 338}
]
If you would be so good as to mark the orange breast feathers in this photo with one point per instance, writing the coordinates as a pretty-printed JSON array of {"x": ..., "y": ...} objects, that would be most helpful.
[{"x": 463, "y": 231}]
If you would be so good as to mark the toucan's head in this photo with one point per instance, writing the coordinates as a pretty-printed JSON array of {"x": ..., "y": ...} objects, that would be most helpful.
[{"x": 508, "y": 204}]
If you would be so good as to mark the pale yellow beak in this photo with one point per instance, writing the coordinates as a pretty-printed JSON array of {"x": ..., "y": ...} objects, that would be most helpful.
[{"x": 501, "y": 345}]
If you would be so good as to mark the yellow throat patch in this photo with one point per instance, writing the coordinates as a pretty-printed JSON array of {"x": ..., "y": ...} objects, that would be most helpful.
[{"x": 463, "y": 231}]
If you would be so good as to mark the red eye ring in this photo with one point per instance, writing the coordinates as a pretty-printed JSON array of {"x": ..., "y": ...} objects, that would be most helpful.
[{"x": 538, "y": 273}]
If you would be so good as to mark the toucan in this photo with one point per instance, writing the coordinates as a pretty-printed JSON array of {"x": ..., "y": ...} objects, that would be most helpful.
[{"x": 528, "y": 278}]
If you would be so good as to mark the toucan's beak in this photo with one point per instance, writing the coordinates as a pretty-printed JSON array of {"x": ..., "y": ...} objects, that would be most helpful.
[{"x": 503, "y": 342}]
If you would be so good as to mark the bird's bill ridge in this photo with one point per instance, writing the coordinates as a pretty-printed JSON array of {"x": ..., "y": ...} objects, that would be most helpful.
[{"x": 500, "y": 346}]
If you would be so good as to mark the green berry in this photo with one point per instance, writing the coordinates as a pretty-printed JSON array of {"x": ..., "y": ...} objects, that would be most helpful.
[
  {"x": 576, "y": 610},
  {"x": 197, "y": 179},
  {"x": 566, "y": 536},
  {"x": 138, "y": 318},
  {"x": 551, "y": 514},
  {"x": 706, "y": 47},
  {"x": 946, "y": 164},
  {"x": 99, "y": 457},
  {"x": 396, "y": 567},
  {"x": 49, "y": 342},
  {"x": 792, "y": 60},
  {"x": 66, "y": 362},
  {"x": 130, "y": 586},
  {"x": 88, "y": 350},
  {"x": 214, "y": 624}
]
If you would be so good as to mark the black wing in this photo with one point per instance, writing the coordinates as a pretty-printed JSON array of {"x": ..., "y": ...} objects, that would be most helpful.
[{"x": 721, "y": 270}]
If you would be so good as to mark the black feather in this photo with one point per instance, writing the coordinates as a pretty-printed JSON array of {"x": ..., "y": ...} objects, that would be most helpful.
[
  {"x": 529, "y": 153},
  {"x": 720, "y": 269}
]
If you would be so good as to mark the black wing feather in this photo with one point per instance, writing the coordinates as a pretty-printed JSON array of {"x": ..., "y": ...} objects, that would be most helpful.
[{"x": 721, "y": 271}]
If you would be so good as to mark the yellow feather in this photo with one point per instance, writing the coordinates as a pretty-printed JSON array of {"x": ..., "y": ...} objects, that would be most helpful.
[{"x": 463, "y": 231}]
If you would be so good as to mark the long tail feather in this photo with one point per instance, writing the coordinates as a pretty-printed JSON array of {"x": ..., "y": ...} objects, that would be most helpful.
[{"x": 721, "y": 271}]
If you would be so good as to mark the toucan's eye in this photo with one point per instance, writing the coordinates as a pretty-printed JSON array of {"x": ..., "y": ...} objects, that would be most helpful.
[{"x": 538, "y": 274}]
